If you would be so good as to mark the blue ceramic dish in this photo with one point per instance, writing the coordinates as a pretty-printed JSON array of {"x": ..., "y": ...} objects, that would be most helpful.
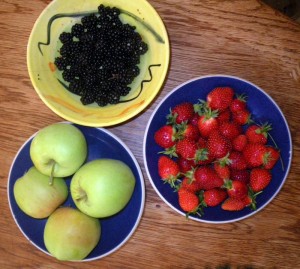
[
  {"x": 116, "y": 230},
  {"x": 263, "y": 109}
]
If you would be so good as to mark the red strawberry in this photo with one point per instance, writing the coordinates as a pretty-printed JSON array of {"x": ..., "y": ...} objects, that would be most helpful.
[
  {"x": 182, "y": 112},
  {"x": 239, "y": 142},
  {"x": 271, "y": 157},
  {"x": 207, "y": 123},
  {"x": 168, "y": 170},
  {"x": 242, "y": 117},
  {"x": 185, "y": 165},
  {"x": 188, "y": 201},
  {"x": 238, "y": 103},
  {"x": 259, "y": 179},
  {"x": 221, "y": 167},
  {"x": 165, "y": 136},
  {"x": 236, "y": 189},
  {"x": 214, "y": 197},
  {"x": 224, "y": 116},
  {"x": 258, "y": 134},
  {"x": 190, "y": 184},
  {"x": 218, "y": 145},
  {"x": 230, "y": 129},
  {"x": 207, "y": 178},
  {"x": 232, "y": 204},
  {"x": 187, "y": 130},
  {"x": 194, "y": 119},
  {"x": 240, "y": 175},
  {"x": 186, "y": 148},
  {"x": 254, "y": 154},
  {"x": 220, "y": 98},
  {"x": 237, "y": 160}
]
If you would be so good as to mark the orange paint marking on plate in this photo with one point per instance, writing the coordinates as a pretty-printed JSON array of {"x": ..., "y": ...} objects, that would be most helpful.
[{"x": 52, "y": 66}]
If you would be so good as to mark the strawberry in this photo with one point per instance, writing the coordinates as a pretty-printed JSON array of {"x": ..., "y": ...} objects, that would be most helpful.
[
  {"x": 259, "y": 179},
  {"x": 238, "y": 103},
  {"x": 188, "y": 201},
  {"x": 224, "y": 116},
  {"x": 218, "y": 145},
  {"x": 168, "y": 170},
  {"x": 182, "y": 112},
  {"x": 186, "y": 148},
  {"x": 188, "y": 130},
  {"x": 258, "y": 134},
  {"x": 190, "y": 184},
  {"x": 221, "y": 166},
  {"x": 271, "y": 157},
  {"x": 220, "y": 98},
  {"x": 185, "y": 165},
  {"x": 239, "y": 142},
  {"x": 242, "y": 117},
  {"x": 233, "y": 204},
  {"x": 213, "y": 197},
  {"x": 207, "y": 178},
  {"x": 230, "y": 129},
  {"x": 207, "y": 123},
  {"x": 237, "y": 160},
  {"x": 236, "y": 189},
  {"x": 203, "y": 157},
  {"x": 240, "y": 175},
  {"x": 165, "y": 136},
  {"x": 194, "y": 119},
  {"x": 254, "y": 154}
]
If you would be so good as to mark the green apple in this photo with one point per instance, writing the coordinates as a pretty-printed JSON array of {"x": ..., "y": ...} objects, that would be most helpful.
[
  {"x": 71, "y": 235},
  {"x": 58, "y": 150},
  {"x": 102, "y": 187},
  {"x": 36, "y": 197}
]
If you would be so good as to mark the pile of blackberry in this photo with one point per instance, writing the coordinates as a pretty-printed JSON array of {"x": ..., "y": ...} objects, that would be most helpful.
[{"x": 99, "y": 58}]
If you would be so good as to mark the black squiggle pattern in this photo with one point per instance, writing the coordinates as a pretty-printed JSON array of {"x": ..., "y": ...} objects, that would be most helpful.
[
  {"x": 81, "y": 14},
  {"x": 142, "y": 83}
]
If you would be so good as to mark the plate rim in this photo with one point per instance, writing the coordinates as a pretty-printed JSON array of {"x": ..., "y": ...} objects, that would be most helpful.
[
  {"x": 141, "y": 179},
  {"x": 214, "y": 76}
]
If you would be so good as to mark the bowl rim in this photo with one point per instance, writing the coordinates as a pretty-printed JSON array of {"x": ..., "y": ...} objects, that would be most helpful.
[
  {"x": 141, "y": 180},
  {"x": 100, "y": 122},
  {"x": 229, "y": 77}
]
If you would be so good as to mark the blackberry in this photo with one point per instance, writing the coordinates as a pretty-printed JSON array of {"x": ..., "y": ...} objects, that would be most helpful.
[
  {"x": 75, "y": 87},
  {"x": 113, "y": 97},
  {"x": 100, "y": 56},
  {"x": 77, "y": 30},
  {"x": 68, "y": 75},
  {"x": 60, "y": 63},
  {"x": 65, "y": 37},
  {"x": 88, "y": 97}
]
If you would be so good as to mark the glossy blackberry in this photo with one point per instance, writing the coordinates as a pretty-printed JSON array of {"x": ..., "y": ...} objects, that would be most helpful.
[
  {"x": 65, "y": 37},
  {"x": 100, "y": 56},
  {"x": 60, "y": 63},
  {"x": 77, "y": 30},
  {"x": 75, "y": 87}
]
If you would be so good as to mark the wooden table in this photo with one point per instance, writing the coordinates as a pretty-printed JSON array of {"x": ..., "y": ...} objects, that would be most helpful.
[{"x": 243, "y": 38}]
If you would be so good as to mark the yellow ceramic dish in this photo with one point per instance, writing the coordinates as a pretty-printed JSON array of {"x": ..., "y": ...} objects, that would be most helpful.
[{"x": 43, "y": 46}]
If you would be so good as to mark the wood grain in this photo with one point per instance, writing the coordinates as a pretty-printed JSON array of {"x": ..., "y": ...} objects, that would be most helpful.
[{"x": 243, "y": 38}]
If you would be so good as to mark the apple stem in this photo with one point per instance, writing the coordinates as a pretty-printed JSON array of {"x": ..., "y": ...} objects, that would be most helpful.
[{"x": 52, "y": 174}]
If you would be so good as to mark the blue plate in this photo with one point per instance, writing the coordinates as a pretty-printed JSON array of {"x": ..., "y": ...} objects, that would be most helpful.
[
  {"x": 116, "y": 230},
  {"x": 263, "y": 109}
]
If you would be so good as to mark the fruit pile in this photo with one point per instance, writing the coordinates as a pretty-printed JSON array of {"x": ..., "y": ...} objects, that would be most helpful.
[
  {"x": 99, "y": 188},
  {"x": 99, "y": 57},
  {"x": 214, "y": 154}
]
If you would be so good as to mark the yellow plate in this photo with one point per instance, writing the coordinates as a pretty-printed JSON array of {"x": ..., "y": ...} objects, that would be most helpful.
[{"x": 43, "y": 46}]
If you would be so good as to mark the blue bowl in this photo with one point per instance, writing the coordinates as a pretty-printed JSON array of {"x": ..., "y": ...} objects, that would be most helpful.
[
  {"x": 115, "y": 230},
  {"x": 263, "y": 109}
]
